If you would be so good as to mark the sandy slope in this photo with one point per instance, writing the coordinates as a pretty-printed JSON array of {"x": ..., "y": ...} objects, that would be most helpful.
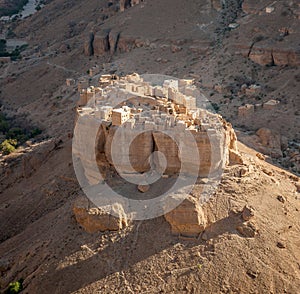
[{"x": 41, "y": 241}]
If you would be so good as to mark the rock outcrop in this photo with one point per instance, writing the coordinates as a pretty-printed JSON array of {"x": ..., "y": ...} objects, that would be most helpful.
[
  {"x": 126, "y": 43},
  {"x": 212, "y": 149},
  {"x": 169, "y": 148},
  {"x": 113, "y": 39},
  {"x": 262, "y": 56},
  {"x": 88, "y": 45},
  {"x": 124, "y": 4},
  {"x": 109, "y": 41},
  {"x": 265, "y": 55},
  {"x": 101, "y": 43}
]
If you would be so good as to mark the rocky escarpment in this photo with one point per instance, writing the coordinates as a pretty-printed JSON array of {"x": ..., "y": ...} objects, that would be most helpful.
[
  {"x": 108, "y": 41},
  {"x": 271, "y": 53},
  {"x": 275, "y": 43},
  {"x": 94, "y": 219}
]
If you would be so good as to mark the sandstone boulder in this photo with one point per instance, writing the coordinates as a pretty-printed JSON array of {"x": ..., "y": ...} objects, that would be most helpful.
[
  {"x": 126, "y": 43},
  {"x": 235, "y": 157},
  {"x": 247, "y": 213},
  {"x": 94, "y": 219},
  {"x": 143, "y": 188},
  {"x": 187, "y": 219},
  {"x": 247, "y": 230}
]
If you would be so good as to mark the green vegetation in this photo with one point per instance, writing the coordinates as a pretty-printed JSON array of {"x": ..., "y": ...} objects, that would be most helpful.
[
  {"x": 2, "y": 45},
  {"x": 8, "y": 146},
  {"x": 10, "y": 34},
  {"x": 14, "y": 55},
  {"x": 13, "y": 136},
  {"x": 215, "y": 106},
  {"x": 15, "y": 8},
  {"x": 4, "y": 125},
  {"x": 15, "y": 287}
]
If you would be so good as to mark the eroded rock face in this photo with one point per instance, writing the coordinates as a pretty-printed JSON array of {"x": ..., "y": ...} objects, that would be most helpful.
[
  {"x": 114, "y": 36},
  {"x": 262, "y": 56},
  {"x": 139, "y": 151},
  {"x": 234, "y": 157},
  {"x": 215, "y": 150},
  {"x": 101, "y": 43},
  {"x": 94, "y": 219},
  {"x": 88, "y": 45},
  {"x": 109, "y": 41},
  {"x": 286, "y": 57},
  {"x": 271, "y": 55},
  {"x": 168, "y": 147}
]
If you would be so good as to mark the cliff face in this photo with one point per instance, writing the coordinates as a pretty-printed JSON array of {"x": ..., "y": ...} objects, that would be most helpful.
[{"x": 215, "y": 150}]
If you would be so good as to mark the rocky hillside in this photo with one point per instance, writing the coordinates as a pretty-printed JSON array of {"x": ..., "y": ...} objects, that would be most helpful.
[{"x": 242, "y": 54}]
